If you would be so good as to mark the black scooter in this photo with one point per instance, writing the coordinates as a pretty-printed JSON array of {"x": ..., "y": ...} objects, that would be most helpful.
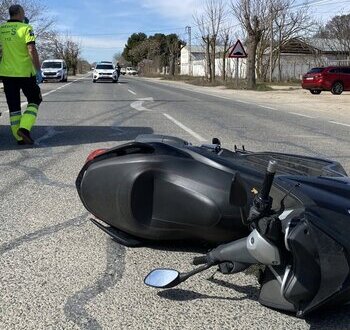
[
  {"x": 297, "y": 223},
  {"x": 161, "y": 188},
  {"x": 305, "y": 247}
]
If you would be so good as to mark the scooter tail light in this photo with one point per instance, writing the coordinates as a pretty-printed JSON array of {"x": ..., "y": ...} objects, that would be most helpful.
[{"x": 94, "y": 154}]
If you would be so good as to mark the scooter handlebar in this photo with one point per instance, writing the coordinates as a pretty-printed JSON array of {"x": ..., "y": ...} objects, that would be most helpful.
[{"x": 268, "y": 180}]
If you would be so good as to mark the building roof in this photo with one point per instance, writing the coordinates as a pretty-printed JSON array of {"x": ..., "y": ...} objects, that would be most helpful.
[
  {"x": 294, "y": 46},
  {"x": 326, "y": 45}
]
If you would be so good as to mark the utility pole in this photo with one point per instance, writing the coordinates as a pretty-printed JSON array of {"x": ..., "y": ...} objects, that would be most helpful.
[{"x": 190, "y": 68}]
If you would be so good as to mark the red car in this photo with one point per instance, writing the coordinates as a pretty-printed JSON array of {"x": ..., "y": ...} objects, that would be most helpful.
[{"x": 332, "y": 78}]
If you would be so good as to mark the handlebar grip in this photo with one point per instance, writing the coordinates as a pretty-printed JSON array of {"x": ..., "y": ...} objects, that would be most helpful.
[
  {"x": 269, "y": 176},
  {"x": 200, "y": 260}
]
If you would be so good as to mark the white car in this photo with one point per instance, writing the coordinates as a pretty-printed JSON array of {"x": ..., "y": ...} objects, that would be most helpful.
[
  {"x": 131, "y": 71},
  {"x": 104, "y": 71},
  {"x": 54, "y": 70}
]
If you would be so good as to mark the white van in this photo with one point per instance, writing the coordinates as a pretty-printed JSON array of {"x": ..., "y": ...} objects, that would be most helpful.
[{"x": 54, "y": 70}]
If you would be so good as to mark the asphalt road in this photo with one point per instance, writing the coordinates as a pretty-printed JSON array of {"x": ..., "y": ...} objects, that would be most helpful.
[{"x": 58, "y": 271}]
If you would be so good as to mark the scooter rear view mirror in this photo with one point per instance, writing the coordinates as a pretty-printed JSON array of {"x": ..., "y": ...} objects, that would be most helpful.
[{"x": 162, "y": 278}]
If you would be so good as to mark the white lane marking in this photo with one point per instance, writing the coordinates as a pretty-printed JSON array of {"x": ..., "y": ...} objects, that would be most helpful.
[
  {"x": 307, "y": 136},
  {"x": 301, "y": 115},
  {"x": 132, "y": 92},
  {"x": 240, "y": 101},
  {"x": 185, "y": 128},
  {"x": 48, "y": 93},
  {"x": 337, "y": 123},
  {"x": 266, "y": 107},
  {"x": 138, "y": 105}
]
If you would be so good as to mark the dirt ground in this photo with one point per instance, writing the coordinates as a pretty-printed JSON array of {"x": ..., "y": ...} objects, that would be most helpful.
[{"x": 284, "y": 98}]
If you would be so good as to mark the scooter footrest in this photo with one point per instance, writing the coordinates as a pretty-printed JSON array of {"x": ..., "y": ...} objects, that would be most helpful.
[{"x": 118, "y": 235}]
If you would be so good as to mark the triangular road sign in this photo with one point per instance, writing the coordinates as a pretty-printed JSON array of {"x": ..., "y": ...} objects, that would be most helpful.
[{"x": 238, "y": 51}]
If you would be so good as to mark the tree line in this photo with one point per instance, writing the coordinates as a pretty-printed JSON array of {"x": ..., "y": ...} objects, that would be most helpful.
[
  {"x": 154, "y": 52},
  {"x": 264, "y": 26}
]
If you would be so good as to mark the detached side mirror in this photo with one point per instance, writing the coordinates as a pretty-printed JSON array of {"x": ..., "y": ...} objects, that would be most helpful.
[{"x": 162, "y": 278}]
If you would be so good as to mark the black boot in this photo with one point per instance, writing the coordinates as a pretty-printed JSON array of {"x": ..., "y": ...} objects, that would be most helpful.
[{"x": 25, "y": 135}]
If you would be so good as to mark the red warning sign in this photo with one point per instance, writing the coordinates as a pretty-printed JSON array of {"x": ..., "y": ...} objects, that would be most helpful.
[{"x": 238, "y": 51}]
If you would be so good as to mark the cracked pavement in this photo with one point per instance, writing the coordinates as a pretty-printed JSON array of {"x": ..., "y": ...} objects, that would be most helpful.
[{"x": 58, "y": 271}]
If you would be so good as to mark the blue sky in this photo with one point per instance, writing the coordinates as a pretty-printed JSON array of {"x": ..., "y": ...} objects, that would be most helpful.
[{"x": 102, "y": 27}]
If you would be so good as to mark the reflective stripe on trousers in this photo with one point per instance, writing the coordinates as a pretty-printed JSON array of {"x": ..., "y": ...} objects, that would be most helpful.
[
  {"x": 15, "y": 120},
  {"x": 29, "y": 116}
]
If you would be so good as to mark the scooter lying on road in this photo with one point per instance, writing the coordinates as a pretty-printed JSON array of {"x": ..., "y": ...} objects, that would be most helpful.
[
  {"x": 305, "y": 247},
  {"x": 161, "y": 188}
]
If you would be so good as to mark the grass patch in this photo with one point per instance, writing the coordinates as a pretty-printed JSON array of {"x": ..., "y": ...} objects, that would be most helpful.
[
  {"x": 229, "y": 84},
  {"x": 262, "y": 87}
]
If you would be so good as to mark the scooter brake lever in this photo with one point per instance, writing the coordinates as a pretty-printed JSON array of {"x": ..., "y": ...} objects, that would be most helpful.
[{"x": 282, "y": 206}]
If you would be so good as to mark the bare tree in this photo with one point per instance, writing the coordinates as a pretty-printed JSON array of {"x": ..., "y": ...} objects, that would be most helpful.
[
  {"x": 43, "y": 24},
  {"x": 209, "y": 24},
  {"x": 253, "y": 16},
  {"x": 69, "y": 50},
  {"x": 336, "y": 34},
  {"x": 225, "y": 40},
  {"x": 289, "y": 24}
]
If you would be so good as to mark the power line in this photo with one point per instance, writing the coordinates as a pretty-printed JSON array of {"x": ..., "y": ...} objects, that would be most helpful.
[{"x": 312, "y": 2}]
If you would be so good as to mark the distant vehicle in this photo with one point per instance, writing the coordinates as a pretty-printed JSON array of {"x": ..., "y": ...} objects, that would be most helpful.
[
  {"x": 123, "y": 71},
  {"x": 104, "y": 71},
  {"x": 332, "y": 78},
  {"x": 131, "y": 71},
  {"x": 54, "y": 69}
]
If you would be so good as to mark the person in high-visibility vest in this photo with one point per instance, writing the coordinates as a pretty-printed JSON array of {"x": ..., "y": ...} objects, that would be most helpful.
[{"x": 20, "y": 70}]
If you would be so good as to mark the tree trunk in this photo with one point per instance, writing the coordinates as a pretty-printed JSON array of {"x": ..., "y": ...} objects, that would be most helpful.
[
  {"x": 213, "y": 48},
  {"x": 207, "y": 48},
  {"x": 251, "y": 60},
  {"x": 224, "y": 57},
  {"x": 172, "y": 65}
]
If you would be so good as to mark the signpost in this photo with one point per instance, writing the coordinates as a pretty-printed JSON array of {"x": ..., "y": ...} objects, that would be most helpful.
[{"x": 237, "y": 52}]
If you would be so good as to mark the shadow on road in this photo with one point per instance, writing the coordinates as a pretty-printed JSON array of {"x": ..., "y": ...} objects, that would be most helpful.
[
  {"x": 328, "y": 318},
  {"x": 54, "y": 136},
  {"x": 249, "y": 291}
]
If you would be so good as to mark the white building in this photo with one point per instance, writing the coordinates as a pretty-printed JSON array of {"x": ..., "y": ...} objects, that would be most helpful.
[
  {"x": 297, "y": 57},
  {"x": 198, "y": 63}
]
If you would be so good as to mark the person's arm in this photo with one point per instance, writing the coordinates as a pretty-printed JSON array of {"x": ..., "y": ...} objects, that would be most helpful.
[{"x": 33, "y": 53}]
